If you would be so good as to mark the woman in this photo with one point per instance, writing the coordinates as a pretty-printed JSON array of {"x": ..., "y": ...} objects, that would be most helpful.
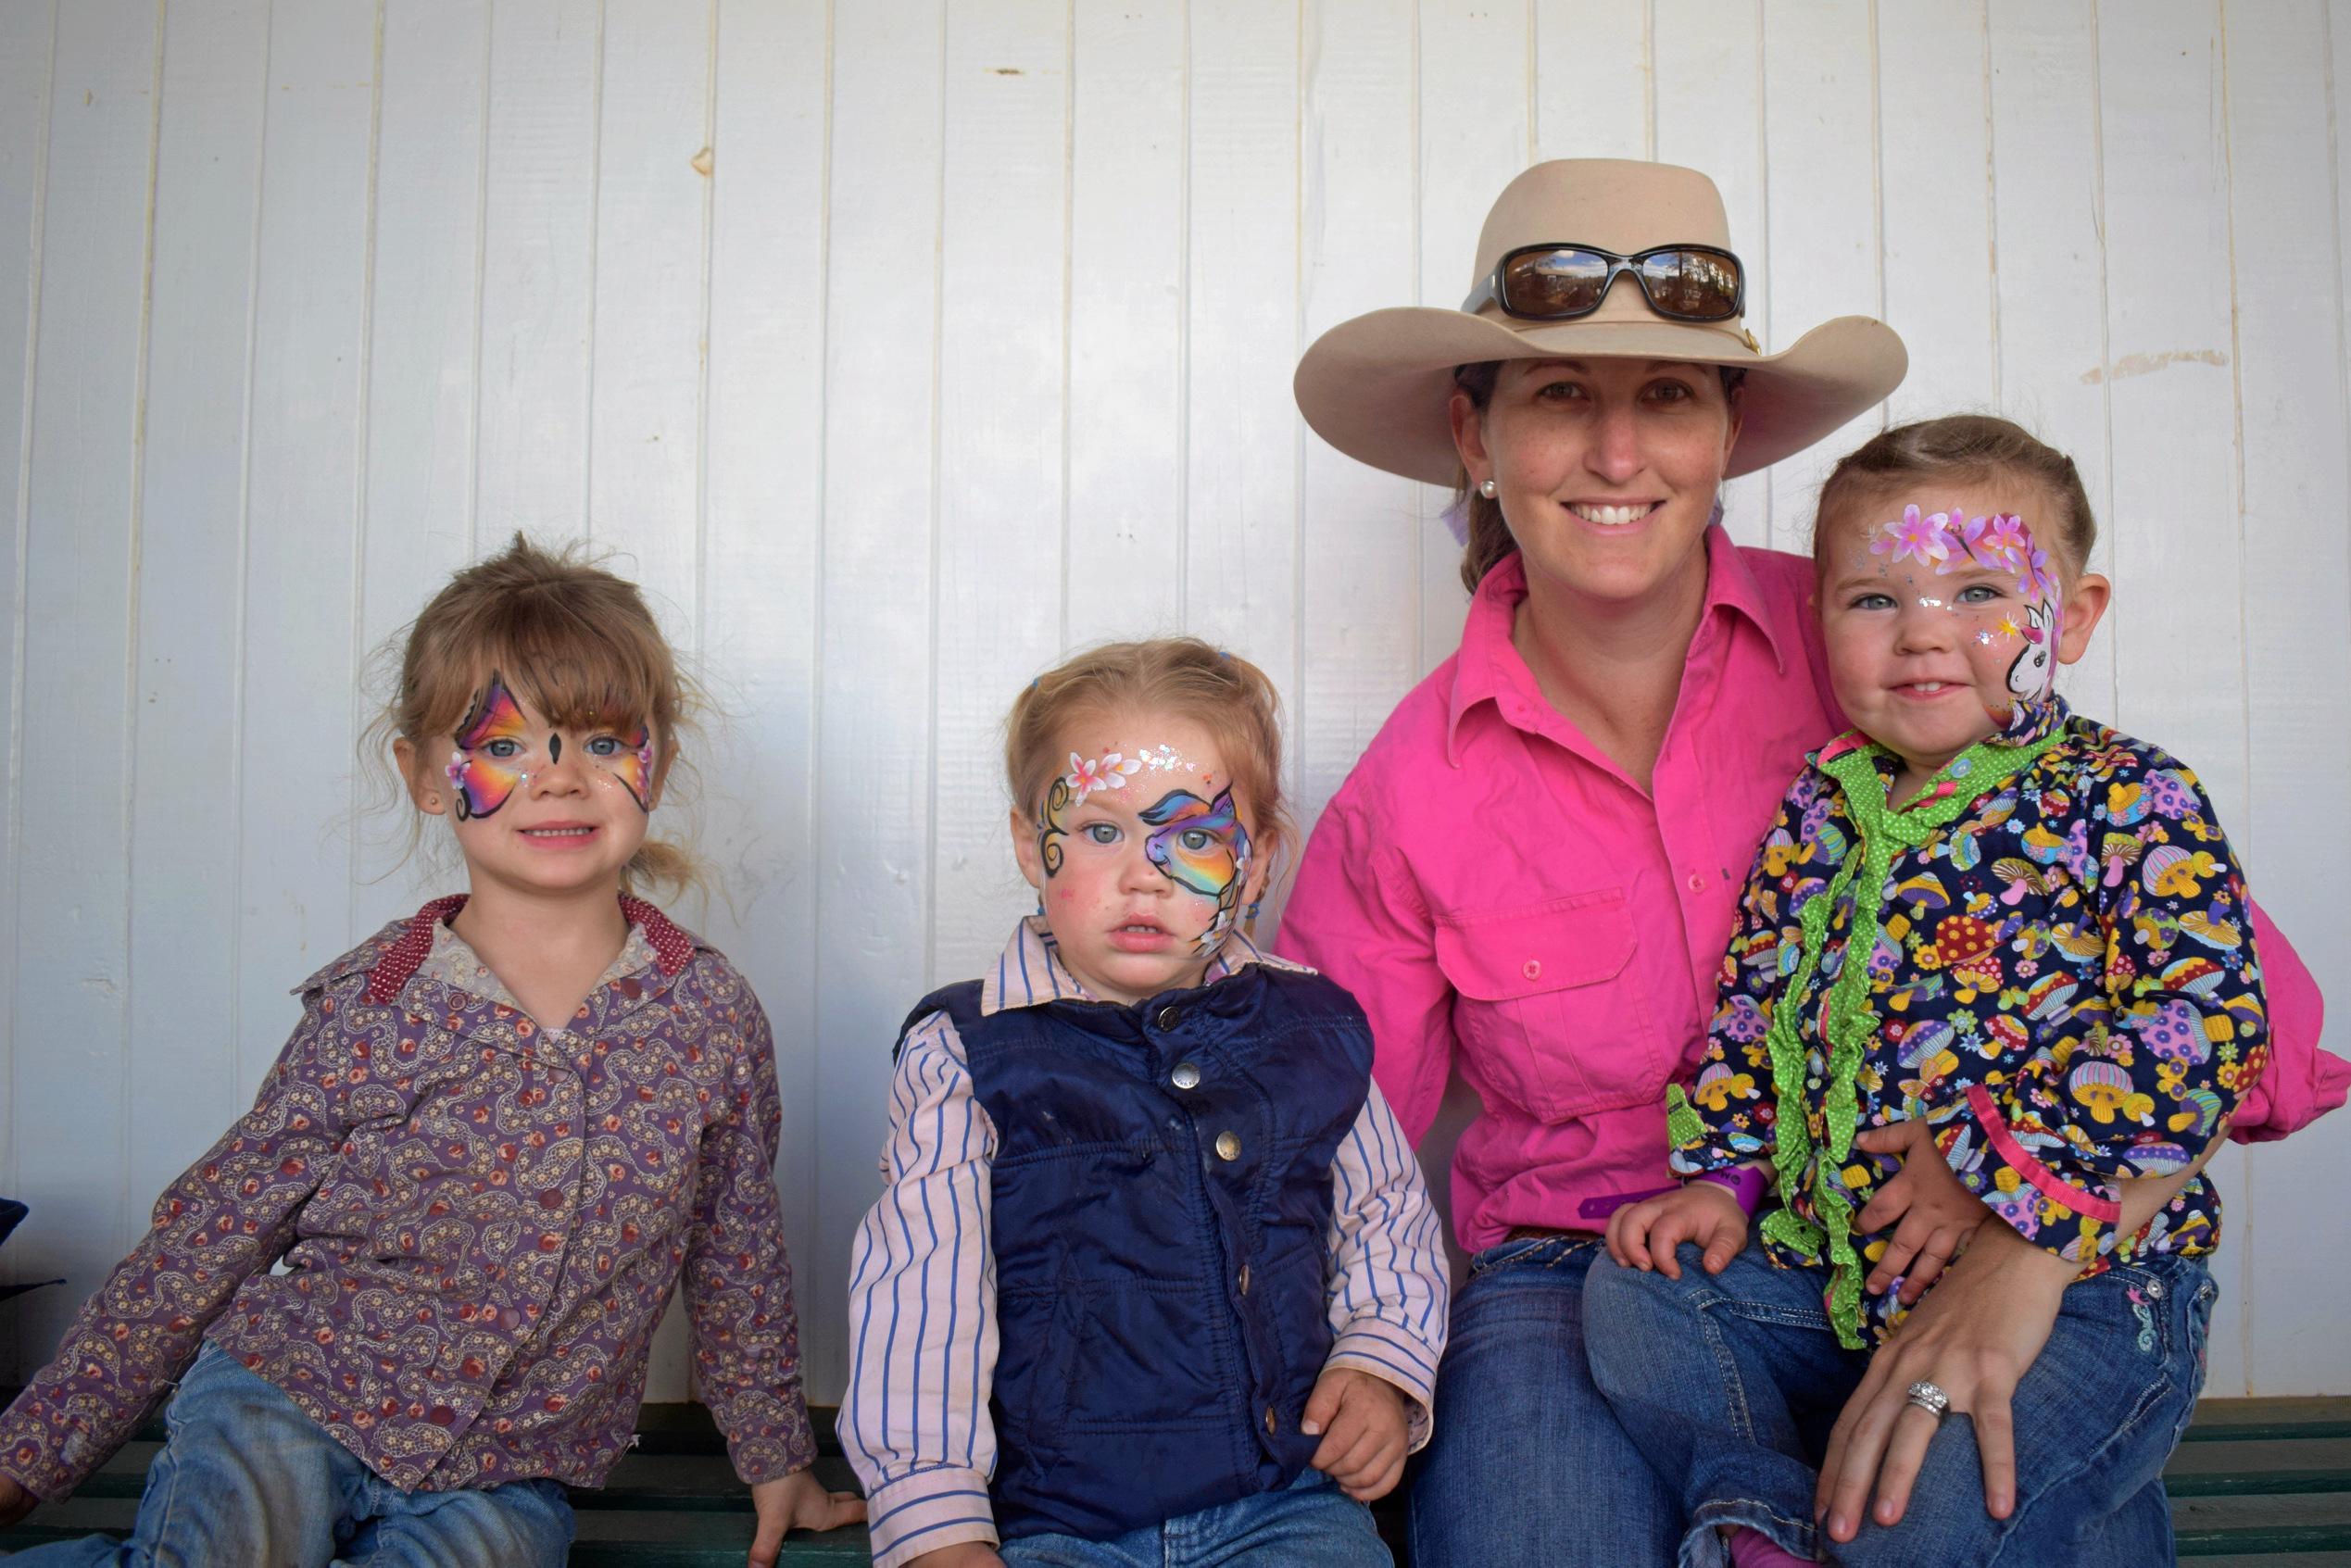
[{"x": 1530, "y": 873}]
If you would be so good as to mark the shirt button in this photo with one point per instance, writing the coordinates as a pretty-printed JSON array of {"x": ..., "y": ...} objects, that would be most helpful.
[
  {"x": 1697, "y": 882},
  {"x": 1169, "y": 1017},
  {"x": 1244, "y": 1279},
  {"x": 1228, "y": 1146},
  {"x": 1269, "y": 1420},
  {"x": 1185, "y": 1077},
  {"x": 1532, "y": 968}
]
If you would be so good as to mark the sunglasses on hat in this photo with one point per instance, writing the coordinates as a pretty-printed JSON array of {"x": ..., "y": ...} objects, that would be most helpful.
[{"x": 1559, "y": 282}]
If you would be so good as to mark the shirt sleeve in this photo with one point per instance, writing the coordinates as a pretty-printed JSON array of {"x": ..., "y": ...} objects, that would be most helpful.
[
  {"x": 227, "y": 1217},
  {"x": 1355, "y": 916},
  {"x": 1726, "y": 1116},
  {"x": 914, "y": 1423},
  {"x": 2143, "y": 1075},
  {"x": 738, "y": 1278},
  {"x": 1389, "y": 1280}
]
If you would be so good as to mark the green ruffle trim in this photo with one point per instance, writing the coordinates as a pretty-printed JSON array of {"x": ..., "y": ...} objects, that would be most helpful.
[
  {"x": 1849, "y": 1024},
  {"x": 1683, "y": 1124}
]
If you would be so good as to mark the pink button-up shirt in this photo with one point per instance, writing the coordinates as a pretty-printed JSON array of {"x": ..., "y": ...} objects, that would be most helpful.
[{"x": 1494, "y": 889}]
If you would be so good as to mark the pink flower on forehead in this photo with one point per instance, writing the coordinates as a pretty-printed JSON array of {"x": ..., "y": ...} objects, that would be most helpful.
[
  {"x": 2002, "y": 543},
  {"x": 1108, "y": 772},
  {"x": 2039, "y": 579},
  {"x": 1915, "y": 537}
]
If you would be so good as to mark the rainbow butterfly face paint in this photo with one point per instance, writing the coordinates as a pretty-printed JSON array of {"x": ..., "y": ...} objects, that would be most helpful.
[
  {"x": 1201, "y": 845},
  {"x": 498, "y": 749}
]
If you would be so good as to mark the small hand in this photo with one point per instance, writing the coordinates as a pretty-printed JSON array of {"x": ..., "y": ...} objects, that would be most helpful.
[
  {"x": 1936, "y": 1213},
  {"x": 1975, "y": 1339},
  {"x": 798, "y": 1502},
  {"x": 15, "y": 1503},
  {"x": 962, "y": 1554},
  {"x": 1364, "y": 1429},
  {"x": 1643, "y": 1235}
]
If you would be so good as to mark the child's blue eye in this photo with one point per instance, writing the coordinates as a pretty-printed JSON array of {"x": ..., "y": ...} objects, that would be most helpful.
[
  {"x": 504, "y": 749},
  {"x": 1195, "y": 839},
  {"x": 1978, "y": 593},
  {"x": 1101, "y": 833},
  {"x": 1873, "y": 601},
  {"x": 604, "y": 745}
]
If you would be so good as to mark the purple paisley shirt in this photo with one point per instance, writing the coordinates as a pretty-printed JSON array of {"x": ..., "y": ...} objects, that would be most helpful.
[{"x": 480, "y": 1222}]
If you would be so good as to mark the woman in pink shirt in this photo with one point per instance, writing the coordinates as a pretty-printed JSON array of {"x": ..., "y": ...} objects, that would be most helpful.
[{"x": 1531, "y": 873}]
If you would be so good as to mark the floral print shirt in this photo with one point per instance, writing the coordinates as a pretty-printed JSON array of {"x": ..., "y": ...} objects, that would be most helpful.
[
  {"x": 2060, "y": 981},
  {"x": 481, "y": 1222}
]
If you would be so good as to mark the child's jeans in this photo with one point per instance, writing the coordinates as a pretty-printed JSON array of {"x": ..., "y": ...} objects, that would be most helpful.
[
  {"x": 1730, "y": 1383},
  {"x": 1312, "y": 1524},
  {"x": 245, "y": 1477}
]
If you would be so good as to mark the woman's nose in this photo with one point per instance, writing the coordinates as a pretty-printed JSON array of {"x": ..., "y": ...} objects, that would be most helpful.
[{"x": 1615, "y": 445}]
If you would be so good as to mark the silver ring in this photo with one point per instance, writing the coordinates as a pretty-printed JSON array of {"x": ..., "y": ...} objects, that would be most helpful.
[{"x": 1931, "y": 1398}]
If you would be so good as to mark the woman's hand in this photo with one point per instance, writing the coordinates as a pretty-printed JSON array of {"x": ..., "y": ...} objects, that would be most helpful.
[
  {"x": 1363, "y": 1430},
  {"x": 15, "y": 1503},
  {"x": 1643, "y": 1235},
  {"x": 798, "y": 1502},
  {"x": 1936, "y": 1213},
  {"x": 1974, "y": 1338}
]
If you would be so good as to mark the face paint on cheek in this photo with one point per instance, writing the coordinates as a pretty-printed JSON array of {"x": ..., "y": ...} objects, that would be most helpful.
[
  {"x": 1053, "y": 826},
  {"x": 633, "y": 768},
  {"x": 484, "y": 782},
  {"x": 1201, "y": 845}
]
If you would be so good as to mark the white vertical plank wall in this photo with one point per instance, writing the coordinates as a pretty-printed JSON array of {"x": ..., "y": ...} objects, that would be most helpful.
[{"x": 896, "y": 348}]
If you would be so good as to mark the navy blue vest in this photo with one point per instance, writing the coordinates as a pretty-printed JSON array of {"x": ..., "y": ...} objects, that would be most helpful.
[{"x": 1161, "y": 1202}]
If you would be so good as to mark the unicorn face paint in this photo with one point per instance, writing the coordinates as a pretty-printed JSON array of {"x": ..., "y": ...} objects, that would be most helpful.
[
  {"x": 1941, "y": 625},
  {"x": 1141, "y": 857}
]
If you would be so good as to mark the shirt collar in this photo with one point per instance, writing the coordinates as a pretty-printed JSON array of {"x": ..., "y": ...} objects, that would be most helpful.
[
  {"x": 672, "y": 944},
  {"x": 1029, "y": 973},
  {"x": 1485, "y": 637}
]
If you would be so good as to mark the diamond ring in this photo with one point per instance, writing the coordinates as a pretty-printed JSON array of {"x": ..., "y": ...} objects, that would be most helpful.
[{"x": 1930, "y": 1398}]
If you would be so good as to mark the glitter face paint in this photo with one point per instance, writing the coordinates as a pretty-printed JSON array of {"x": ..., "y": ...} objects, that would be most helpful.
[
  {"x": 1201, "y": 847},
  {"x": 1950, "y": 542}
]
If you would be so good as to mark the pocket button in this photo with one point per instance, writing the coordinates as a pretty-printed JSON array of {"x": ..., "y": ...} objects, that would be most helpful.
[
  {"x": 2154, "y": 1289},
  {"x": 1533, "y": 969}
]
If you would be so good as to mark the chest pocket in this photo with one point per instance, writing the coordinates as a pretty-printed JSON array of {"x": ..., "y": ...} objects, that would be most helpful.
[{"x": 1548, "y": 1004}]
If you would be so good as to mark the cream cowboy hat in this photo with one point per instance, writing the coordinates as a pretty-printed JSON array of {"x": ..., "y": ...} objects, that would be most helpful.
[{"x": 1377, "y": 387}]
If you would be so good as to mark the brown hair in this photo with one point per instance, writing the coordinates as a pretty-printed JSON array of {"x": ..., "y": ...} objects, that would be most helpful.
[
  {"x": 574, "y": 641},
  {"x": 1489, "y": 532},
  {"x": 1966, "y": 449},
  {"x": 1228, "y": 696}
]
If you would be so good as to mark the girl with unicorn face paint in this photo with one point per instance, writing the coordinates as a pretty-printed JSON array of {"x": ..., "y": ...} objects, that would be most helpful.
[
  {"x": 1992, "y": 992},
  {"x": 1132, "y": 1104}
]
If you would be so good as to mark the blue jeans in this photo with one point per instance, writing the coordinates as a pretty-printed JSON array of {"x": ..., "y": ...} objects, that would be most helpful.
[
  {"x": 1528, "y": 1464},
  {"x": 245, "y": 1477},
  {"x": 1729, "y": 1382},
  {"x": 1312, "y": 1525}
]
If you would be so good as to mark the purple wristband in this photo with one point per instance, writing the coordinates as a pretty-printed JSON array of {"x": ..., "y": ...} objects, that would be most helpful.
[{"x": 1745, "y": 1181}]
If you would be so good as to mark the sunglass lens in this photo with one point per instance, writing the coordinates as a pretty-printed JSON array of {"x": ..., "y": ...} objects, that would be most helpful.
[
  {"x": 1696, "y": 285},
  {"x": 1565, "y": 281}
]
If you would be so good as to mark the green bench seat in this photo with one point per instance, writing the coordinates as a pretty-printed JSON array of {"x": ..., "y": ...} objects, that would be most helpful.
[{"x": 2258, "y": 1484}]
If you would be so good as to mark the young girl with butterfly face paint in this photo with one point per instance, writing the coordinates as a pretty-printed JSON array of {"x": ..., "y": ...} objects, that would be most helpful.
[
  {"x": 505, "y": 1128},
  {"x": 1990, "y": 1003},
  {"x": 1155, "y": 1262}
]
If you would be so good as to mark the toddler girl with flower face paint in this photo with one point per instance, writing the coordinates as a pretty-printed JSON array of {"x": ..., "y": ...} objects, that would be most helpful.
[
  {"x": 1992, "y": 997},
  {"x": 1155, "y": 1262}
]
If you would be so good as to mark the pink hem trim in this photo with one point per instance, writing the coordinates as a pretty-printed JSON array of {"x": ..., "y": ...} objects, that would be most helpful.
[{"x": 2005, "y": 1142}]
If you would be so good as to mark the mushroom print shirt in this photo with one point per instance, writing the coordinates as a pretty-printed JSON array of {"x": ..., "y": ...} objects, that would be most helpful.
[{"x": 2059, "y": 979}]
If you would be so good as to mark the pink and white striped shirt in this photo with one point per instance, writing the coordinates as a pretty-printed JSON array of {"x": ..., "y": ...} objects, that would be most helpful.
[{"x": 914, "y": 1421}]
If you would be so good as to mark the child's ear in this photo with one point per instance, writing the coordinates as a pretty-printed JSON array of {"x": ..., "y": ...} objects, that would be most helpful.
[
  {"x": 1025, "y": 850},
  {"x": 2085, "y": 605},
  {"x": 431, "y": 797}
]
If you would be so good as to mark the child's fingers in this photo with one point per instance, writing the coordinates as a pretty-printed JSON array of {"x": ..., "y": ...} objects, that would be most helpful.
[
  {"x": 1673, "y": 1227},
  {"x": 1380, "y": 1485},
  {"x": 1361, "y": 1459},
  {"x": 1729, "y": 1237},
  {"x": 1887, "y": 1206},
  {"x": 1894, "y": 1138},
  {"x": 1900, "y": 1249},
  {"x": 1933, "y": 1258},
  {"x": 1613, "y": 1237},
  {"x": 1322, "y": 1404}
]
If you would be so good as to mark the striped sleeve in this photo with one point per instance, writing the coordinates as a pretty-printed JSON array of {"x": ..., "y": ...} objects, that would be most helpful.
[
  {"x": 1389, "y": 1278},
  {"x": 914, "y": 1421}
]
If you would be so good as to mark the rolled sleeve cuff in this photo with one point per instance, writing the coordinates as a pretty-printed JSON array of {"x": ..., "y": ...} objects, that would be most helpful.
[
  {"x": 1393, "y": 1356},
  {"x": 2053, "y": 1213},
  {"x": 927, "y": 1511}
]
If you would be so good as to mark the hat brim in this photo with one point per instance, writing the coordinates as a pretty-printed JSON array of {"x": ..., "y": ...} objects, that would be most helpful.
[{"x": 1377, "y": 387}]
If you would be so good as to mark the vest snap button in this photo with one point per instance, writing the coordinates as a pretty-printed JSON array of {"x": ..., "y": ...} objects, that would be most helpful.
[
  {"x": 1269, "y": 1420},
  {"x": 1185, "y": 1077},
  {"x": 1169, "y": 1017},
  {"x": 1228, "y": 1146},
  {"x": 1244, "y": 1279}
]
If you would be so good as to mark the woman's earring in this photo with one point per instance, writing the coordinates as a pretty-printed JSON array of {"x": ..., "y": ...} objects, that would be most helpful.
[{"x": 1487, "y": 489}]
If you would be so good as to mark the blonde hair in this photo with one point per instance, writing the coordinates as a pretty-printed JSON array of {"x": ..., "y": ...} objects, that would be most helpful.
[
  {"x": 1229, "y": 697},
  {"x": 572, "y": 640},
  {"x": 1968, "y": 448}
]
